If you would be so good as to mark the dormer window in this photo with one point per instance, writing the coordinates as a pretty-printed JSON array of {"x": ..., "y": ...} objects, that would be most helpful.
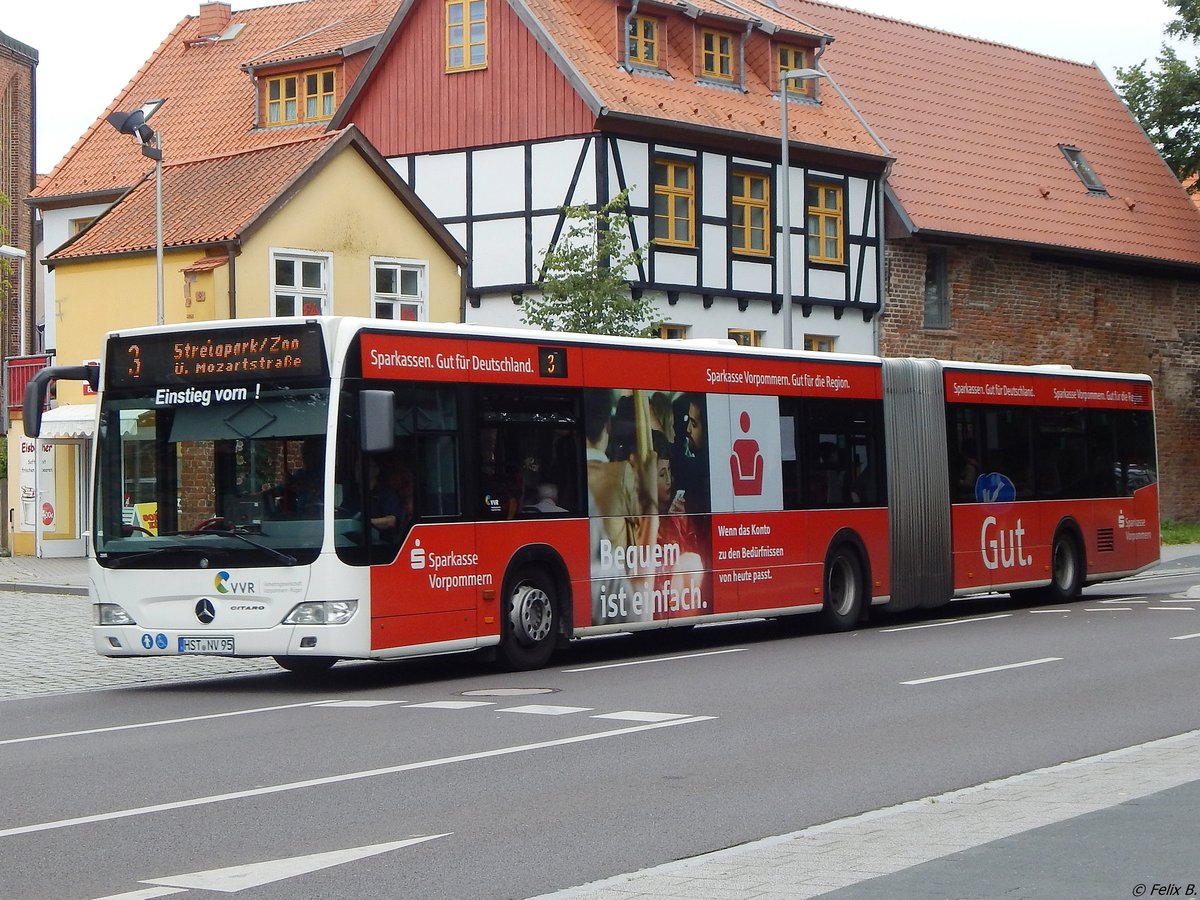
[
  {"x": 643, "y": 41},
  {"x": 1083, "y": 169},
  {"x": 716, "y": 54},
  {"x": 466, "y": 35},
  {"x": 318, "y": 95},
  {"x": 790, "y": 58},
  {"x": 301, "y": 97}
]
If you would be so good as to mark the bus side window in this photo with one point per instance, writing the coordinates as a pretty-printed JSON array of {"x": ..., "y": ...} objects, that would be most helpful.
[{"x": 530, "y": 445}]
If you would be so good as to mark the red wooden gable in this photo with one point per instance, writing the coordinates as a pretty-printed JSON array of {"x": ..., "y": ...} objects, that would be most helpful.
[{"x": 409, "y": 104}]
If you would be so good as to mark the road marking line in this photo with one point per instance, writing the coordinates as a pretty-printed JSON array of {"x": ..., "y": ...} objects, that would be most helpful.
[
  {"x": 145, "y": 894},
  {"x": 1020, "y": 665},
  {"x": 224, "y": 715},
  {"x": 535, "y": 709},
  {"x": 1124, "y": 600},
  {"x": 951, "y": 622},
  {"x": 1174, "y": 608},
  {"x": 643, "y": 662},
  {"x": 1107, "y": 609},
  {"x": 1037, "y": 611},
  {"x": 633, "y": 715},
  {"x": 339, "y": 779},
  {"x": 1185, "y": 637},
  {"x": 450, "y": 704},
  {"x": 359, "y": 704}
]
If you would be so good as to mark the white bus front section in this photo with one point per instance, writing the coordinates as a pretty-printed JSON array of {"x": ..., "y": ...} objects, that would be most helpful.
[{"x": 293, "y": 611}]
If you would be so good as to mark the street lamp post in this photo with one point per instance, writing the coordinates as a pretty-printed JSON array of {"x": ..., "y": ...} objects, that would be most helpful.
[
  {"x": 784, "y": 255},
  {"x": 135, "y": 123}
]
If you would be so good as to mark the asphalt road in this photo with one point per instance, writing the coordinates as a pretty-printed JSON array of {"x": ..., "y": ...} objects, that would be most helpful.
[{"x": 628, "y": 752}]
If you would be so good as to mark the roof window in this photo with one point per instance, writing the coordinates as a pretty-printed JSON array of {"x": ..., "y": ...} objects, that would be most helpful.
[{"x": 1083, "y": 169}]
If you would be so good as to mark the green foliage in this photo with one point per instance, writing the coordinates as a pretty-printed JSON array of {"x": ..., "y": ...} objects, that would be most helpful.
[
  {"x": 1180, "y": 532},
  {"x": 1186, "y": 23},
  {"x": 6, "y": 271},
  {"x": 583, "y": 286},
  {"x": 1166, "y": 99}
]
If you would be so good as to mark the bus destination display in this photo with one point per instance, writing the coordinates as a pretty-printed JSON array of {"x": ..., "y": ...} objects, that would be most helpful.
[{"x": 289, "y": 351}]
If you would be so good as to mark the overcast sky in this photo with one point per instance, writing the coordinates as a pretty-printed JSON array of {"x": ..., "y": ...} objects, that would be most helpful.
[{"x": 89, "y": 50}]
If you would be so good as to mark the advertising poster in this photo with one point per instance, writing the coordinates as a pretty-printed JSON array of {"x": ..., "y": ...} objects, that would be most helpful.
[
  {"x": 33, "y": 506},
  {"x": 648, "y": 493}
]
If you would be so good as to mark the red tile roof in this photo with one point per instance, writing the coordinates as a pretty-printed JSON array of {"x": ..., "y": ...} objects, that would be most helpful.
[
  {"x": 976, "y": 127},
  {"x": 214, "y": 201},
  {"x": 583, "y": 35},
  {"x": 206, "y": 201},
  {"x": 211, "y": 100}
]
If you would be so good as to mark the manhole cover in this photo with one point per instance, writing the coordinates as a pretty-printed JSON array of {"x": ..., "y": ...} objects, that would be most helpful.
[{"x": 508, "y": 692}]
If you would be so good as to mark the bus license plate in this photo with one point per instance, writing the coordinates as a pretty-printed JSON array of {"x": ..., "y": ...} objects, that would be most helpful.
[{"x": 214, "y": 646}]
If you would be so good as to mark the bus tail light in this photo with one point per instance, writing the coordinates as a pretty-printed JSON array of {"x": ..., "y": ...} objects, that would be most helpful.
[
  {"x": 322, "y": 612},
  {"x": 112, "y": 614}
]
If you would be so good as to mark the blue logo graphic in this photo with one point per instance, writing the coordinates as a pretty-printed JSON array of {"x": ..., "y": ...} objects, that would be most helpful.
[
  {"x": 160, "y": 640},
  {"x": 148, "y": 641},
  {"x": 995, "y": 488}
]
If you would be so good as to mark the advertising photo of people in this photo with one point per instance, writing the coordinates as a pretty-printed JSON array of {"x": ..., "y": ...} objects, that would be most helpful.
[{"x": 647, "y": 481}]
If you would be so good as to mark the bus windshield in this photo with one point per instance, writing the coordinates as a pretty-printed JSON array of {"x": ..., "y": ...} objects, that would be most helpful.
[{"x": 183, "y": 480}]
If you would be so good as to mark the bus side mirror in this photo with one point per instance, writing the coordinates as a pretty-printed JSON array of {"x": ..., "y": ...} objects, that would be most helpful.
[
  {"x": 34, "y": 400},
  {"x": 377, "y": 416}
]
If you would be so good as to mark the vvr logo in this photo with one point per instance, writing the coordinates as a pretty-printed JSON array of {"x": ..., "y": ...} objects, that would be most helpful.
[{"x": 225, "y": 586}]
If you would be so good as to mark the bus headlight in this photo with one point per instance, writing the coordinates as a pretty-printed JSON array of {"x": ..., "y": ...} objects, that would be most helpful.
[
  {"x": 322, "y": 612},
  {"x": 112, "y": 614}
]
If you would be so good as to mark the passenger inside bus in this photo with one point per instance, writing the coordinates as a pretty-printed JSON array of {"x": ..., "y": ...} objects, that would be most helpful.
[
  {"x": 385, "y": 504},
  {"x": 302, "y": 492},
  {"x": 547, "y": 500}
]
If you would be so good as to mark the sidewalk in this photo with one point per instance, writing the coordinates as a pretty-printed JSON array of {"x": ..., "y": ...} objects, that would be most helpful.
[{"x": 43, "y": 576}]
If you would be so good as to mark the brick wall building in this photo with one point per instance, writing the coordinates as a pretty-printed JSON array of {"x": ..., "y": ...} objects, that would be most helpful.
[{"x": 17, "y": 174}]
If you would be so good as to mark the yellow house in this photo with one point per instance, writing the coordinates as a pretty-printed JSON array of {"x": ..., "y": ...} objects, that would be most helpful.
[{"x": 301, "y": 228}]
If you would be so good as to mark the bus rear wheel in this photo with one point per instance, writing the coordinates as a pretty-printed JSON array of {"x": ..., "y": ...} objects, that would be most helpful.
[
  {"x": 529, "y": 630},
  {"x": 306, "y": 665},
  {"x": 1066, "y": 569},
  {"x": 845, "y": 590}
]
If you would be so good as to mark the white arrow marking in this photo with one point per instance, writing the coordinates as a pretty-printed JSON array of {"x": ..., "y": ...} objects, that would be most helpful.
[{"x": 232, "y": 879}]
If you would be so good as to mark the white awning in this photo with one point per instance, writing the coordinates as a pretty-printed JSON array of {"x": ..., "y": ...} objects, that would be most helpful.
[{"x": 74, "y": 421}]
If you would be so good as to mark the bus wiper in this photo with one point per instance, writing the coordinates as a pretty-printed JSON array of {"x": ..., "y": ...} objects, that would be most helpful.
[
  {"x": 286, "y": 558},
  {"x": 120, "y": 561}
]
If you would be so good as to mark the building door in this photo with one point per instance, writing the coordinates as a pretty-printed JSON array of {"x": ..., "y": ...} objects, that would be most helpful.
[{"x": 62, "y": 505}]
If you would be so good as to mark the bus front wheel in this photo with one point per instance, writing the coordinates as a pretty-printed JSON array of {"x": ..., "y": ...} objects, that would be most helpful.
[
  {"x": 845, "y": 590},
  {"x": 529, "y": 629}
]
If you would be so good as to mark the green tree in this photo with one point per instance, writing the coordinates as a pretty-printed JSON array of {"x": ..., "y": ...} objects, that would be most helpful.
[
  {"x": 1166, "y": 100},
  {"x": 582, "y": 283}
]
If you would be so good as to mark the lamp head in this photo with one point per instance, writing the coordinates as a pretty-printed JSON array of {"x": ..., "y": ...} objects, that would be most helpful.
[{"x": 128, "y": 122}]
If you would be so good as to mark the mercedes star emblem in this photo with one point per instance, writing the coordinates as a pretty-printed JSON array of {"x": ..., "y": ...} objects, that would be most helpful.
[{"x": 205, "y": 611}]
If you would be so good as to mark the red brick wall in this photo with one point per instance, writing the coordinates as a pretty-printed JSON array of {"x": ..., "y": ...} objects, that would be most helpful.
[
  {"x": 16, "y": 181},
  {"x": 1006, "y": 307}
]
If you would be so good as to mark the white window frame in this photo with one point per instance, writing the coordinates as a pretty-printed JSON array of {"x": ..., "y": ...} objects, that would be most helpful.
[
  {"x": 420, "y": 300},
  {"x": 323, "y": 295}
]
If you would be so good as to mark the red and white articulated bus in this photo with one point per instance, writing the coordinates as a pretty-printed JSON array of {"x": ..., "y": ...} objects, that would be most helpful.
[{"x": 333, "y": 488}]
